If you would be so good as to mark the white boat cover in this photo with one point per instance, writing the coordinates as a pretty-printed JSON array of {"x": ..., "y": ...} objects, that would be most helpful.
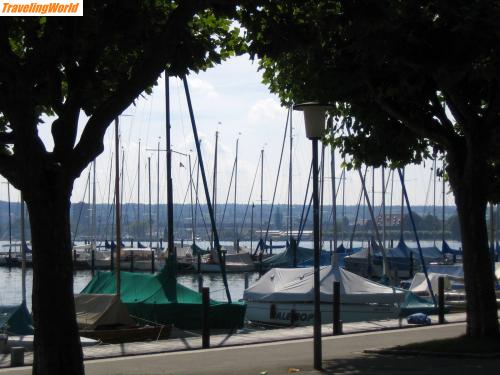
[
  {"x": 456, "y": 270},
  {"x": 419, "y": 282},
  {"x": 94, "y": 310},
  {"x": 296, "y": 285}
]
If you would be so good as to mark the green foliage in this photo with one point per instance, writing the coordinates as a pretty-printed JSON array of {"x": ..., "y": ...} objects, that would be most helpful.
[
  {"x": 389, "y": 67},
  {"x": 100, "y": 63}
]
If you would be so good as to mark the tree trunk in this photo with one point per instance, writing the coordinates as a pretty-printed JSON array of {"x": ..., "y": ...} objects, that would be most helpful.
[
  {"x": 57, "y": 348},
  {"x": 468, "y": 174}
]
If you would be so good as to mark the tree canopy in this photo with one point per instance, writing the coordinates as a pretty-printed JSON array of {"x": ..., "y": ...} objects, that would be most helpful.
[
  {"x": 99, "y": 64},
  {"x": 409, "y": 80},
  {"x": 409, "y": 74}
]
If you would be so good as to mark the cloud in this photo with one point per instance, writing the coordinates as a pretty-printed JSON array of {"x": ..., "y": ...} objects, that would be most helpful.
[
  {"x": 203, "y": 88},
  {"x": 265, "y": 110}
]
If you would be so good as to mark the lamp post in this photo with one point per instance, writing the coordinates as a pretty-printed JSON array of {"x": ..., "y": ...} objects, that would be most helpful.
[{"x": 314, "y": 119}]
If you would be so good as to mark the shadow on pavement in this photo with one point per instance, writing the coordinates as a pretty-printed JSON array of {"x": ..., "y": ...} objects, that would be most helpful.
[{"x": 392, "y": 364}]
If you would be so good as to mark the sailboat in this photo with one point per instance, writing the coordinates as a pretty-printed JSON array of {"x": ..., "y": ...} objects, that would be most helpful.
[
  {"x": 103, "y": 316},
  {"x": 159, "y": 298},
  {"x": 284, "y": 296},
  {"x": 16, "y": 319}
]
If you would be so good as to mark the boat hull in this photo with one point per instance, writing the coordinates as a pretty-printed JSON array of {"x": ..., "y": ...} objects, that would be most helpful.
[
  {"x": 119, "y": 335},
  {"x": 302, "y": 314}
]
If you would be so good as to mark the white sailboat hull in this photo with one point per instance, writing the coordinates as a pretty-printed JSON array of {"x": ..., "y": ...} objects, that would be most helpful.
[{"x": 302, "y": 314}]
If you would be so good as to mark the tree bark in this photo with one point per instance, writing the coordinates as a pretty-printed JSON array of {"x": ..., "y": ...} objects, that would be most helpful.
[
  {"x": 56, "y": 330},
  {"x": 467, "y": 173}
]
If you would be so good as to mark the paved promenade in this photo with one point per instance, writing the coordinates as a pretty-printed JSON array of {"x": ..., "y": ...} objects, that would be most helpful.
[
  {"x": 244, "y": 337},
  {"x": 341, "y": 355}
]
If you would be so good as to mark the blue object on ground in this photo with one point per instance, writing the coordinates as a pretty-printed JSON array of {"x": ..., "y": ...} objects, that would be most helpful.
[{"x": 419, "y": 318}]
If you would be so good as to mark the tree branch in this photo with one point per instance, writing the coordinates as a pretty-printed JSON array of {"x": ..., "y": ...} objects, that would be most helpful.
[
  {"x": 64, "y": 129},
  {"x": 458, "y": 106},
  {"x": 144, "y": 73},
  {"x": 426, "y": 128},
  {"x": 441, "y": 113}
]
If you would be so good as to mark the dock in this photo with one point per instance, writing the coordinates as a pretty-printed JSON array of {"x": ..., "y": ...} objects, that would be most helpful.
[{"x": 239, "y": 338}]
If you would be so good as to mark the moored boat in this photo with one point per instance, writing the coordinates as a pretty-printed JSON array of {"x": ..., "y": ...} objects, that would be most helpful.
[{"x": 285, "y": 296}]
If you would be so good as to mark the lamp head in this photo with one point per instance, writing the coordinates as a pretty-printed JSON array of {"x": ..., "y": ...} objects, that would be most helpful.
[{"x": 314, "y": 118}]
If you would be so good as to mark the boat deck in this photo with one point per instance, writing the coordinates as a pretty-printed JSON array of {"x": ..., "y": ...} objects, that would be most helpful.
[{"x": 242, "y": 337}]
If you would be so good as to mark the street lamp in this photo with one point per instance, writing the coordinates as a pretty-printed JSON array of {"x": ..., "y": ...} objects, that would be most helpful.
[{"x": 314, "y": 119}]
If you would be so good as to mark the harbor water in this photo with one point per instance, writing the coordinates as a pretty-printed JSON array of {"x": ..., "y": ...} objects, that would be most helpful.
[{"x": 11, "y": 278}]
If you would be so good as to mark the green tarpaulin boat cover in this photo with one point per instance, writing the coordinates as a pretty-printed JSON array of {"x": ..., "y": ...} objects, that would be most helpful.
[
  {"x": 160, "y": 299},
  {"x": 16, "y": 320}
]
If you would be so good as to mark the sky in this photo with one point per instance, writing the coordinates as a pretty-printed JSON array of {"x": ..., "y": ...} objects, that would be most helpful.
[{"x": 231, "y": 99}]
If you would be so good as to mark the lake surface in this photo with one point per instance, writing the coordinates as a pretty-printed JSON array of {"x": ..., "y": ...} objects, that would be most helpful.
[{"x": 10, "y": 279}]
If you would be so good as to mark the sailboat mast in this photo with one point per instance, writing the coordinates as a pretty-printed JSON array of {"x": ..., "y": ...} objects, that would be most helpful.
[
  {"x": 235, "y": 196},
  {"x": 138, "y": 193},
  {"x": 149, "y": 205},
  {"x": 89, "y": 215},
  {"x": 444, "y": 192},
  {"x": 191, "y": 194},
  {"x": 117, "y": 210},
  {"x": 158, "y": 235},
  {"x": 122, "y": 176},
  {"x": 23, "y": 252},
  {"x": 251, "y": 227},
  {"x": 391, "y": 222},
  {"x": 10, "y": 221},
  {"x": 492, "y": 230},
  {"x": 385, "y": 265},
  {"x": 383, "y": 207},
  {"x": 196, "y": 199},
  {"x": 205, "y": 187},
  {"x": 214, "y": 186},
  {"x": 402, "y": 206},
  {"x": 261, "y": 194},
  {"x": 334, "y": 191},
  {"x": 94, "y": 207},
  {"x": 290, "y": 184},
  {"x": 170, "y": 199},
  {"x": 434, "y": 198}
]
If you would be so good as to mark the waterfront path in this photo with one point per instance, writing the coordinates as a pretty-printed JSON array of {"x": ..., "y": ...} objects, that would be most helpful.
[
  {"x": 274, "y": 351},
  {"x": 341, "y": 355}
]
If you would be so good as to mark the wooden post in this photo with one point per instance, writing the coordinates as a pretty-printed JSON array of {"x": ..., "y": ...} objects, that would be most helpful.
[
  {"x": 152, "y": 261},
  {"x": 270, "y": 246},
  {"x": 131, "y": 261},
  {"x": 92, "y": 261},
  {"x": 74, "y": 258},
  {"x": 441, "y": 299},
  {"x": 200, "y": 282},
  {"x": 182, "y": 242},
  {"x": 337, "y": 323},
  {"x": 260, "y": 264},
  {"x": 204, "y": 321},
  {"x": 16, "y": 356},
  {"x": 246, "y": 280}
]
